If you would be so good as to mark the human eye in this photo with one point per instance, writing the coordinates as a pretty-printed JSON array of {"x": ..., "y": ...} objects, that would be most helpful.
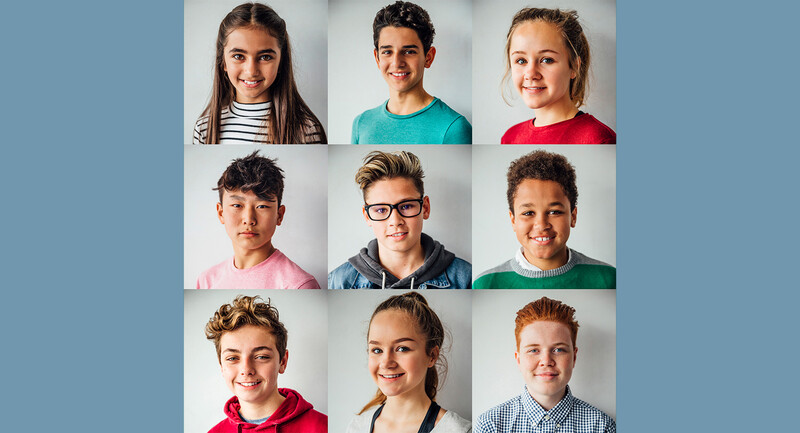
[
  {"x": 237, "y": 56},
  {"x": 236, "y": 205},
  {"x": 375, "y": 350},
  {"x": 547, "y": 60},
  {"x": 386, "y": 52},
  {"x": 402, "y": 349},
  {"x": 262, "y": 206},
  {"x": 520, "y": 61},
  {"x": 527, "y": 213},
  {"x": 410, "y": 52},
  {"x": 559, "y": 350},
  {"x": 555, "y": 212},
  {"x": 263, "y": 357},
  {"x": 230, "y": 358},
  {"x": 266, "y": 57}
]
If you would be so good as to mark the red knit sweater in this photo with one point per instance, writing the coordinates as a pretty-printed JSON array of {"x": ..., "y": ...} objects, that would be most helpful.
[{"x": 582, "y": 129}]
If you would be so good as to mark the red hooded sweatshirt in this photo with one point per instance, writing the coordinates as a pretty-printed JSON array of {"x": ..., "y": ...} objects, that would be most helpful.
[{"x": 294, "y": 415}]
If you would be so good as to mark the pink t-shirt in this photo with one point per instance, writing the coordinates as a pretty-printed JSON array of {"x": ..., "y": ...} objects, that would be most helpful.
[{"x": 277, "y": 272}]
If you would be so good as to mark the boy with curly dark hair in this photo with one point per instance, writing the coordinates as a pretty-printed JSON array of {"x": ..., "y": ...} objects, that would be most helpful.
[
  {"x": 403, "y": 36},
  {"x": 250, "y": 193},
  {"x": 542, "y": 202}
]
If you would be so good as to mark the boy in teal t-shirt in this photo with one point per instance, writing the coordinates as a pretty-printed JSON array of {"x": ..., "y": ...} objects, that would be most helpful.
[
  {"x": 403, "y": 33},
  {"x": 542, "y": 202}
]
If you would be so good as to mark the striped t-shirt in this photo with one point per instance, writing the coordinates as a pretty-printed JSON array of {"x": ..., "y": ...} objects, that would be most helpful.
[{"x": 247, "y": 123}]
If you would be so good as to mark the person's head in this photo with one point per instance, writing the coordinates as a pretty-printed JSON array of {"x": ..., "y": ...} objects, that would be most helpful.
[
  {"x": 547, "y": 56},
  {"x": 251, "y": 347},
  {"x": 254, "y": 64},
  {"x": 404, "y": 342},
  {"x": 546, "y": 332},
  {"x": 250, "y": 193},
  {"x": 395, "y": 203},
  {"x": 403, "y": 33},
  {"x": 542, "y": 202}
]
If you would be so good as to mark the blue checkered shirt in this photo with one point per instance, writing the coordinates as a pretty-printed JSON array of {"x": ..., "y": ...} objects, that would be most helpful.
[{"x": 522, "y": 414}]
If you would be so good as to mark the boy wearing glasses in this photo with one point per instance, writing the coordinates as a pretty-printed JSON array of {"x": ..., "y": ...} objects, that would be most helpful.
[{"x": 400, "y": 256}]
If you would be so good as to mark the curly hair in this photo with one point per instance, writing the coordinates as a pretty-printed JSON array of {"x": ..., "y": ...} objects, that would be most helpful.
[
  {"x": 542, "y": 165},
  {"x": 253, "y": 173},
  {"x": 546, "y": 309},
  {"x": 243, "y": 311},
  {"x": 429, "y": 325},
  {"x": 389, "y": 165},
  {"x": 405, "y": 14},
  {"x": 574, "y": 39}
]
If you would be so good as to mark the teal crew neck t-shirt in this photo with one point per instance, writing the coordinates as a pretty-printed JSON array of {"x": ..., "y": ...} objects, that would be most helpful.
[{"x": 435, "y": 124}]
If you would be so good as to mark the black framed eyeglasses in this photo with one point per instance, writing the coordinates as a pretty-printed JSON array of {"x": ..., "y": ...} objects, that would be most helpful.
[{"x": 382, "y": 211}]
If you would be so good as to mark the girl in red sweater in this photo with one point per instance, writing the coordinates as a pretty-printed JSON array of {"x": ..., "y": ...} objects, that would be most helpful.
[{"x": 547, "y": 59}]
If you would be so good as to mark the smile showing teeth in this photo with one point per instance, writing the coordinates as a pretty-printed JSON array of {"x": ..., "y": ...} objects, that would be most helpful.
[
  {"x": 542, "y": 238},
  {"x": 399, "y": 74},
  {"x": 249, "y": 383},
  {"x": 251, "y": 82},
  {"x": 390, "y": 376}
]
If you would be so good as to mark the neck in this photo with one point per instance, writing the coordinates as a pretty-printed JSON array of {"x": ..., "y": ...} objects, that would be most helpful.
[
  {"x": 402, "y": 264},
  {"x": 548, "y": 402},
  {"x": 408, "y": 102},
  {"x": 554, "y": 113},
  {"x": 407, "y": 405},
  {"x": 252, "y": 410},
  {"x": 243, "y": 259},
  {"x": 554, "y": 262}
]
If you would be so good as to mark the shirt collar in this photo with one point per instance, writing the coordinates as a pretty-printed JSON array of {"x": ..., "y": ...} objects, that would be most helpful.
[
  {"x": 525, "y": 264},
  {"x": 537, "y": 413}
]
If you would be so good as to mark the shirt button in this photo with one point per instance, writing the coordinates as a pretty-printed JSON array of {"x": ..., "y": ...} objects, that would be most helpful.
[
  {"x": 547, "y": 417},
  {"x": 558, "y": 425}
]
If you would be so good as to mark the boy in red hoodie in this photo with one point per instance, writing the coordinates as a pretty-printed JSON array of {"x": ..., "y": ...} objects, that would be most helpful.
[{"x": 251, "y": 349}]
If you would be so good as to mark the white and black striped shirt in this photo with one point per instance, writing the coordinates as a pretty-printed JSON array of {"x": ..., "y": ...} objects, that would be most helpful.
[{"x": 247, "y": 123}]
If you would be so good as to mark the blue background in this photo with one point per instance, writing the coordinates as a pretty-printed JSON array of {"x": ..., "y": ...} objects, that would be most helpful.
[{"x": 91, "y": 165}]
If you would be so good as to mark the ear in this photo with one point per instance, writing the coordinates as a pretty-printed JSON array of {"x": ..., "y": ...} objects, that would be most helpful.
[
  {"x": 434, "y": 356},
  {"x": 377, "y": 59},
  {"x": 429, "y": 56},
  {"x": 516, "y": 357},
  {"x": 219, "y": 213},
  {"x": 281, "y": 211},
  {"x": 574, "y": 356},
  {"x": 284, "y": 361},
  {"x": 426, "y": 207},
  {"x": 574, "y": 72},
  {"x": 366, "y": 217},
  {"x": 574, "y": 217},
  {"x": 511, "y": 215}
]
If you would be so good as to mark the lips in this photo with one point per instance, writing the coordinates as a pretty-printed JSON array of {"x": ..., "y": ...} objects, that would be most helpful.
[
  {"x": 546, "y": 375},
  {"x": 399, "y": 74},
  {"x": 543, "y": 240},
  {"x": 533, "y": 89},
  {"x": 251, "y": 83},
  {"x": 248, "y": 384},
  {"x": 248, "y": 234},
  {"x": 390, "y": 376},
  {"x": 398, "y": 236}
]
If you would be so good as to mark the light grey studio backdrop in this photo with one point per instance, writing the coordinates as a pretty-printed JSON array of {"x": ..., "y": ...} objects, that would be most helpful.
[
  {"x": 490, "y": 26},
  {"x": 307, "y": 25},
  {"x": 447, "y": 182},
  {"x": 495, "y": 374},
  {"x": 595, "y": 232},
  {"x": 350, "y": 384},
  {"x": 355, "y": 83},
  {"x": 302, "y": 235},
  {"x": 304, "y": 313}
]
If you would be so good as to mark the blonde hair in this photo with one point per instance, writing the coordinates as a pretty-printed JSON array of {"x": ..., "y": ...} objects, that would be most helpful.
[
  {"x": 389, "y": 165},
  {"x": 572, "y": 33}
]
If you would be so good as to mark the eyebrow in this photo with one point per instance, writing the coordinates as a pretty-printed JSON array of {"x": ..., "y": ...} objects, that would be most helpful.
[
  {"x": 404, "y": 46},
  {"x": 239, "y": 50},
  {"x": 553, "y": 204},
  {"x": 399, "y": 340},
  {"x": 243, "y": 198},
  {"x": 257, "y": 349},
  {"x": 540, "y": 52},
  {"x": 554, "y": 344}
]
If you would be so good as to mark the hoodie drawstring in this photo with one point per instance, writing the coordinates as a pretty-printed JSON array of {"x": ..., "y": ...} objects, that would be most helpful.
[
  {"x": 412, "y": 283},
  {"x": 383, "y": 282}
]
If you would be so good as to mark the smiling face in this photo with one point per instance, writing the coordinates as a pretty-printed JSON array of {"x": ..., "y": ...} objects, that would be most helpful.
[
  {"x": 546, "y": 357},
  {"x": 251, "y": 59},
  {"x": 250, "y": 221},
  {"x": 540, "y": 67},
  {"x": 542, "y": 220},
  {"x": 397, "y": 233},
  {"x": 401, "y": 59},
  {"x": 250, "y": 365},
  {"x": 398, "y": 361}
]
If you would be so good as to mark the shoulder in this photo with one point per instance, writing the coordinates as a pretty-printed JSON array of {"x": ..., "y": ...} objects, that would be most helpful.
[
  {"x": 293, "y": 275},
  {"x": 361, "y": 423},
  {"x": 313, "y": 132},
  {"x": 595, "y": 131},
  {"x": 484, "y": 279},
  {"x": 460, "y": 273},
  {"x": 586, "y": 414},
  {"x": 312, "y": 421},
  {"x": 513, "y": 134},
  {"x": 223, "y": 426},
  {"x": 342, "y": 277},
  {"x": 210, "y": 276},
  {"x": 452, "y": 422},
  {"x": 370, "y": 114},
  {"x": 200, "y": 130},
  {"x": 583, "y": 259},
  {"x": 495, "y": 418}
]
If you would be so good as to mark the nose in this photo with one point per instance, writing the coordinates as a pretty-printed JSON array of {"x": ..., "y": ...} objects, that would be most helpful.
[
  {"x": 249, "y": 217},
  {"x": 251, "y": 68},
  {"x": 541, "y": 222},
  {"x": 546, "y": 359},
  {"x": 246, "y": 367},
  {"x": 395, "y": 219},
  {"x": 532, "y": 71},
  {"x": 398, "y": 59},
  {"x": 387, "y": 359}
]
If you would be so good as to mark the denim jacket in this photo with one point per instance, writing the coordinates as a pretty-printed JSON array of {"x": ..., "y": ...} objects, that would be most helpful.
[{"x": 457, "y": 276}]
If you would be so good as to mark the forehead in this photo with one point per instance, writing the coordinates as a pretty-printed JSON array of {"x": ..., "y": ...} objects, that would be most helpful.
[
  {"x": 251, "y": 39},
  {"x": 398, "y": 36},
  {"x": 391, "y": 190},
  {"x": 390, "y": 325},
  {"x": 537, "y": 36},
  {"x": 545, "y": 333},
  {"x": 247, "y": 337},
  {"x": 539, "y": 192}
]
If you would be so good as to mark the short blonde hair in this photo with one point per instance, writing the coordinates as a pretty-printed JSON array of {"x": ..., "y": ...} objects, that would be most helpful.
[{"x": 389, "y": 165}]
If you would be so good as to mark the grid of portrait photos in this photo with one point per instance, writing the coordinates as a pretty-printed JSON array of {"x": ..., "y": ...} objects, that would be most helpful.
[{"x": 400, "y": 216}]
